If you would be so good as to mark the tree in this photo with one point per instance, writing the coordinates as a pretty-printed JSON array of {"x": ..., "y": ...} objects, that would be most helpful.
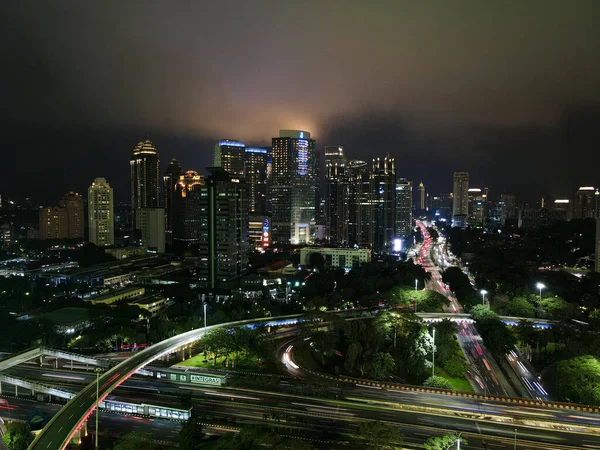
[
  {"x": 420, "y": 353},
  {"x": 378, "y": 435},
  {"x": 382, "y": 363},
  {"x": 444, "y": 442},
  {"x": 316, "y": 261},
  {"x": 519, "y": 307},
  {"x": 190, "y": 436},
  {"x": 18, "y": 439},
  {"x": 438, "y": 382},
  {"x": 579, "y": 380}
]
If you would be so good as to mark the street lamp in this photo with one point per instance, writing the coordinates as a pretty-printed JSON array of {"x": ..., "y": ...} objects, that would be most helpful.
[
  {"x": 515, "y": 439},
  {"x": 433, "y": 356},
  {"x": 97, "y": 370},
  {"x": 204, "y": 317},
  {"x": 483, "y": 292},
  {"x": 416, "y": 284},
  {"x": 541, "y": 286}
]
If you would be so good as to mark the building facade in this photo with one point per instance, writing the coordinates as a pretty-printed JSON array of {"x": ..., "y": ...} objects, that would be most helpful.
[
  {"x": 403, "y": 208},
  {"x": 74, "y": 207},
  {"x": 336, "y": 200},
  {"x": 293, "y": 187},
  {"x": 255, "y": 169},
  {"x": 144, "y": 178},
  {"x": 360, "y": 205},
  {"x": 422, "y": 204},
  {"x": 53, "y": 223},
  {"x": 584, "y": 206},
  {"x": 230, "y": 156},
  {"x": 460, "y": 198},
  {"x": 151, "y": 225},
  {"x": 223, "y": 245},
  {"x": 186, "y": 207},
  {"x": 101, "y": 213},
  {"x": 170, "y": 179},
  {"x": 383, "y": 187},
  {"x": 347, "y": 258}
]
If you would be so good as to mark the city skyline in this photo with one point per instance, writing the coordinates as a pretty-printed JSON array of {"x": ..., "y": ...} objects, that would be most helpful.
[{"x": 442, "y": 98}]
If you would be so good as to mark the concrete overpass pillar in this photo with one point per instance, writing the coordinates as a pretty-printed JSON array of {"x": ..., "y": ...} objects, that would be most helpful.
[
  {"x": 41, "y": 360},
  {"x": 183, "y": 354},
  {"x": 79, "y": 434},
  {"x": 190, "y": 347}
]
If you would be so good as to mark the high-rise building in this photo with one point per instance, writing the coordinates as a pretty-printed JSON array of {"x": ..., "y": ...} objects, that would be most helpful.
[
  {"x": 75, "y": 215},
  {"x": 223, "y": 243},
  {"x": 441, "y": 206},
  {"x": 293, "y": 187},
  {"x": 255, "y": 169},
  {"x": 101, "y": 213},
  {"x": 384, "y": 204},
  {"x": 360, "y": 205},
  {"x": 561, "y": 210},
  {"x": 477, "y": 207},
  {"x": 496, "y": 215},
  {"x": 422, "y": 205},
  {"x": 53, "y": 223},
  {"x": 510, "y": 202},
  {"x": 186, "y": 207},
  {"x": 336, "y": 201},
  {"x": 230, "y": 156},
  {"x": 403, "y": 208},
  {"x": 151, "y": 224},
  {"x": 460, "y": 198},
  {"x": 170, "y": 179},
  {"x": 144, "y": 178},
  {"x": 584, "y": 205}
]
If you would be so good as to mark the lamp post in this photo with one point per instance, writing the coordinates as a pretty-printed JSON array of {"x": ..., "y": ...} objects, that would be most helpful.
[
  {"x": 515, "y": 439},
  {"x": 483, "y": 292},
  {"x": 416, "y": 284},
  {"x": 541, "y": 286},
  {"x": 97, "y": 370},
  {"x": 204, "y": 317},
  {"x": 433, "y": 356}
]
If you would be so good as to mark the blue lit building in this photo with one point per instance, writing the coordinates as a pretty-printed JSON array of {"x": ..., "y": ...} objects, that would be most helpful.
[
  {"x": 293, "y": 187},
  {"x": 230, "y": 156}
]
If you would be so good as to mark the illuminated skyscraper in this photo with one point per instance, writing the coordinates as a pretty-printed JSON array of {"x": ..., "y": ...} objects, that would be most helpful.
[
  {"x": 460, "y": 201},
  {"x": 293, "y": 187},
  {"x": 144, "y": 178},
  {"x": 403, "y": 208},
  {"x": 223, "y": 247},
  {"x": 561, "y": 210},
  {"x": 336, "y": 200},
  {"x": 170, "y": 179},
  {"x": 186, "y": 207},
  {"x": 584, "y": 205},
  {"x": 101, "y": 213},
  {"x": 422, "y": 205},
  {"x": 384, "y": 203},
  {"x": 230, "y": 156},
  {"x": 510, "y": 206},
  {"x": 477, "y": 207},
  {"x": 53, "y": 223},
  {"x": 360, "y": 205},
  {"x": 597, "y": 197},
  {"x": 255, "y": 169}
]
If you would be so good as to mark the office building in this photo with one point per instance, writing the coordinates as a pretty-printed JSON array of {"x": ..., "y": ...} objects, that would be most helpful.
[
  {"x": 170, "y": 179},
  {"x": 584, "y": 206},
  {"x": 510, "y": 202},
  {"x": 101, "y": 213},
  {"x": 460, "y": 199},
  {"x": 441, "y": 206},
  {"x": 561, "y": 210},
  {"x": 186, "y": 208},
  {"x": 293, "y": 187},
  {"x": 403, "y": 208},
  {"x": 496, "y": 216},
  {"x": 259, "y": 232},
  {"x": 477, "y": 208},
  {"x": 422, "y": 205},
  {"x": 336, "y": 201},
  {"x": 347, "y": 258},
  {"x": 144, "y": 178},
  {"x": 223, "y": 246},
  {"x": 255, "y": 169},
  {"x": 151, "y": 225},
  {"x": 230, "y": 156},
  {"x": 384, "y": 207},
  {"x": 360, "y": 205},
  {"x": 73, "y": 204}
]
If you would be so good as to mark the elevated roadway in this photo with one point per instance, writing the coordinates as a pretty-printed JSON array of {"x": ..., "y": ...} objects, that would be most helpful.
[{"x": 64, "y": 425}]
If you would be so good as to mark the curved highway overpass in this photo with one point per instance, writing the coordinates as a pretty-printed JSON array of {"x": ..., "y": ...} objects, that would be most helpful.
[{"x": 63, "y": 426}]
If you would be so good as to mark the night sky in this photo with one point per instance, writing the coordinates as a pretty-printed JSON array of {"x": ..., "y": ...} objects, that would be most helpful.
[{"x": 507, "y": 90}]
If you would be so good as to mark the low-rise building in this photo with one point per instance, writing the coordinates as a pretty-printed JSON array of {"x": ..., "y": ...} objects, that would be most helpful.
[
  {"x": 348, "y": 258},
  {"x": 127, "y": 294}
]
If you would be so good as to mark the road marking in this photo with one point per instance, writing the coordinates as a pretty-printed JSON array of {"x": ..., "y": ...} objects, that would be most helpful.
[
  {"x": 49, "y": 444},
  {"x": 71, "y": 416},
  {"x": 60, "y": 429}
]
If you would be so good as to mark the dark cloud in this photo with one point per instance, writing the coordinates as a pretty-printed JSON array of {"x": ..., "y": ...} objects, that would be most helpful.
[{"x": 483, "y": 86}]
